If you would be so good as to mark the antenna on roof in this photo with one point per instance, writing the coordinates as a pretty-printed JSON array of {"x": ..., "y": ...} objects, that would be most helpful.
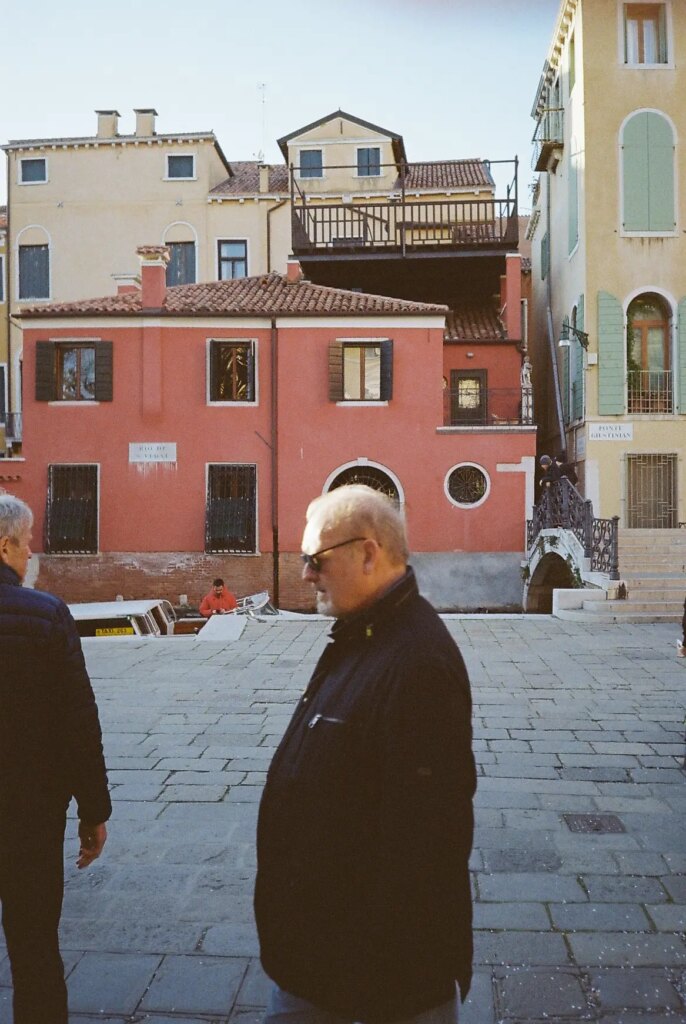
[{"x": 262, "y": 87}]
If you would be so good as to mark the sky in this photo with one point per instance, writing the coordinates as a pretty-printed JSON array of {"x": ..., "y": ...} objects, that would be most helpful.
[{"x": 455, "y": 78}]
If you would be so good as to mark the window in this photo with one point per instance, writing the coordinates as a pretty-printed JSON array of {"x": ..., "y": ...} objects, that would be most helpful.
[
  {"x": 468, "y": 397},
  {"x": 181, "y": 266},
  {"x": 311, "y": 163},
  {"x": 467, "y": 485},
  {"x": 371, "y": 476},
  {"x": 369, "y": 162},
  {"x": 3, "y": 393},
  {"x": 34, "y": 272},
  {"x": 361, "y": 371},
  {"x": 2, "y": 278},
  {"x": 545, "y": 256},
  {"x": 648, "y": 188},
  {"x": 73, "y": 371},
  {"x": 232, "y": 371},
  {"x": 232, "y": 258},
  {"x": 181, "y": 166},
  {"x": 71, "y": 518},
  {"x": 231, "y": 511},
  {"x": 33, "y": 171},
  {"x": 649, "y": 381},
  {"x": 645, "y": 33}
]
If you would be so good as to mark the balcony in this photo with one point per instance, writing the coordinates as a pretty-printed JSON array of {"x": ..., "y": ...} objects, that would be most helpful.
[
  {"x": 13, "y": 426},
  {"x": 650, "y": 391},
  {"x": 471, "y": 406},
  {"x": 548, "y": 137},
  {"x": 401, "y": 224}
]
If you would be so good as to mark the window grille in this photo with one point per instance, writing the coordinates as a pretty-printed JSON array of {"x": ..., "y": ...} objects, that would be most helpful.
[
  {"x": 467, "y": 485},
  {"x": 651, "y": 492},
  {"x": 71, "y": 518},
  {"x": 231, "y": 511},
  {"x": 369, "y": 475}
]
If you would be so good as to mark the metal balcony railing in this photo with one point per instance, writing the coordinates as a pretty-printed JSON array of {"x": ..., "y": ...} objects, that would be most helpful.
[
  {"x": 471, "y": 406},
  {"x": 549, "y": 135},
  {"x": 13, "y": 426},
  {"x": 650, "y": 391}
]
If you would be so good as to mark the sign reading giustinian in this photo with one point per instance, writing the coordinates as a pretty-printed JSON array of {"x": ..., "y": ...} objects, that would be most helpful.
[
  {"x": 152, "y": 451},
  {"x": 610, "y": 431}
]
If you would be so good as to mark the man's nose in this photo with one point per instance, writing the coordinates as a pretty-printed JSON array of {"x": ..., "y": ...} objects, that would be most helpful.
[{"x": 308, "y": 573}]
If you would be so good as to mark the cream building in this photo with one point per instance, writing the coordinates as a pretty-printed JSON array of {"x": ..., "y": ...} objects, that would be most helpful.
[
  {"x": 608, "y": 234},
  {"x": 4, "y": 333}
]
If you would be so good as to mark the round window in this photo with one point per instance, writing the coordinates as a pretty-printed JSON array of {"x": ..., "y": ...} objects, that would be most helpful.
[{"x": 467, "y": 485}]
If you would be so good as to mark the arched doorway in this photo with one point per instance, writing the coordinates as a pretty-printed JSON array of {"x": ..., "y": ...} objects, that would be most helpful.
[{"x": 551, "y": 573}]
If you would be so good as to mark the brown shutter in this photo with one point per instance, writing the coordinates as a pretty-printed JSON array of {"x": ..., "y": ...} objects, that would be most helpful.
[
  {"x": 103, "y": 371},
  {"x": 386, "y": 370},
  {"x": 336, "y": 371},
  {"x": 46, "y": 372}
]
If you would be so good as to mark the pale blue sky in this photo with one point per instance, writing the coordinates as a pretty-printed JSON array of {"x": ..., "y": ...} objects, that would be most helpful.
[{"x": 456, "y": 78}]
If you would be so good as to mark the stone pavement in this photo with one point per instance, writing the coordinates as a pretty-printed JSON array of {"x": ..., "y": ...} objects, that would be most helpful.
[{"x": 570, "y": 719}]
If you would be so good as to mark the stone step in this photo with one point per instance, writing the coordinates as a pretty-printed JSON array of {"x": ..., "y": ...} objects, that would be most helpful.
[
  {"x": 674, "y": 597},
  {"x": 668, "y": 577},
  {"x": 658, "y": 584},
  {"x": 633, "y": 607},
  {"x": 581, "y": 615}
]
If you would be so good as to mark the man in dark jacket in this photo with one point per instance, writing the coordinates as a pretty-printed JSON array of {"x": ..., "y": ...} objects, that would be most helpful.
[
  {"x": 50, "y": 750},
  {"x": 362, "y": 900}
]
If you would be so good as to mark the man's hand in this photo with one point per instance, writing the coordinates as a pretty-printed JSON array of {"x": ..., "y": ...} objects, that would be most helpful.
[{"x": 93, "y": 839}]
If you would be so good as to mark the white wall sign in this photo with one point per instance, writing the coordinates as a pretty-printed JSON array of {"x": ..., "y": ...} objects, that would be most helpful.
[
  {"x": 580, "y": 446},
  {"x": 610, "y": 431},
  {"x": 152, "y": 451}
]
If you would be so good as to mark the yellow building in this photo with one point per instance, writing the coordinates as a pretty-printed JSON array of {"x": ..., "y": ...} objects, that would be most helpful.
[
  {"x": 608, "y": 234},
  {"x": 4, "y": 334}
]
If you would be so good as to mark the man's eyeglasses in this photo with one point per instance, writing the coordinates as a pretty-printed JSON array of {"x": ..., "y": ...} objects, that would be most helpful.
[{"x": 314, "y": 563}]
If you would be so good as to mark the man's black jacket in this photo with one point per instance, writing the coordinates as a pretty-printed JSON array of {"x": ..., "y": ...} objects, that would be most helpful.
[
  {"x": 362, "y": 900},
  {"x": 50, "y": 739}
]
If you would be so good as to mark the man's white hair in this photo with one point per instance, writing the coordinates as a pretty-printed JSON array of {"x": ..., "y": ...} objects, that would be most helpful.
[
  {"x": 368, "y": 513},
  {"x": 15, "y": 516}
]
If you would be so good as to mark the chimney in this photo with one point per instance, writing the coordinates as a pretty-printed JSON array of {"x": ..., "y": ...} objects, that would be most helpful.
[
  {"x": 145, "y": 122},
  {"x": 108, "y": 123},
  {"x": 513, "y": 296},
  {"x": 127, "y": 283},
  {"x": 263, "y": 170},
  {"x": 154, "y": 260},
  {"x": 294, "y": 272}
]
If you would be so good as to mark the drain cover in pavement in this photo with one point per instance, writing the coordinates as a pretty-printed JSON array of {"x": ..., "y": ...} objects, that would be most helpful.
[{"x": 593, "y": 823}]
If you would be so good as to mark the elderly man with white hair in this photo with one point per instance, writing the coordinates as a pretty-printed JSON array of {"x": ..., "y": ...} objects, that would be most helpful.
[
  {"x": 365, "y": 828},
  {"x": 50, "y": 750}
]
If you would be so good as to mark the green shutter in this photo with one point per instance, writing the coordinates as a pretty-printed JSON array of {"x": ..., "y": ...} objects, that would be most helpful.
[
  {"x": 661, "y": 173},
  {"x": 578, "y": 366},
  {"x": 46, "y": 376},
  {"x": 573, "y": 213},
  {"x": 386, "y": 370},
  {"x": 336, "y": 371},
  {"x": 636, "y": 174},
  {"x": 611, "y": 385},
  {"x": 565, "y": 383},
  {"x": 681, "y": 358},
  {"x": 103, "y": 371}
]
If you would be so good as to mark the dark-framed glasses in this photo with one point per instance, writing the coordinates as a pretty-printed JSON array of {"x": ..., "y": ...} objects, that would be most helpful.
[{"x": 313, "y": 562}]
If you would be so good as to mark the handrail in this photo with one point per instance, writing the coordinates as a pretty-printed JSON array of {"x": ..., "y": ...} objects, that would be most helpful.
[{"x": 561, "y": 506}]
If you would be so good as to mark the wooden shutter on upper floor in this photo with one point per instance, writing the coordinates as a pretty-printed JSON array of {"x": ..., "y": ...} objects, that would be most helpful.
[
  {"x": 103, "y": 371},
  {"x": 336, "y": 371},
  {"x": 386, "y": 370},
  {"x": 611, "y": 382},
  {"x": 648, "y": 173},
  {"x": 681, "y": 355},
  {"x": 46, "y": 372}
]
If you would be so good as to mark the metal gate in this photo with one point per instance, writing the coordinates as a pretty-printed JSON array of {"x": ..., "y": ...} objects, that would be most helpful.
[{"x": 651, "y": 492}]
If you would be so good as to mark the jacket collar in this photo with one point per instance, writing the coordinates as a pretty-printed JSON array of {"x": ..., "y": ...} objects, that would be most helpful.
[
  {"x": 9, "y": 576},
  {"x": 366, "y": 622}
]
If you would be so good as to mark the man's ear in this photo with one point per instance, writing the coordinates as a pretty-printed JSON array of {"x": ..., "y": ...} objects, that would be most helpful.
[
  {"x": 371, "y": 555},
  {"x": 4, "y": 549}
]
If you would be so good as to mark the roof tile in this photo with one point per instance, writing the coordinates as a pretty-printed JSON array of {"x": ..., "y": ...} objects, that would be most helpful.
[{"x": 474, "y": 322}]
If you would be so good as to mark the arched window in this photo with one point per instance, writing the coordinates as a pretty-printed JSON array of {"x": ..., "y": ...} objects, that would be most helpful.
[
  {"x": 648, "y": 193},
  {"x": 369, "y": 475},
  {"x": 648, "y": 361}
]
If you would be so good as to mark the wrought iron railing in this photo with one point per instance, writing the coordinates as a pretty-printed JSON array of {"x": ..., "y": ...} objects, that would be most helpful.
[
  {"x": 563, "y": 507},
  {"x": 470, "y": 405},
  {"x": 549, "y": 134},
  {"x": 650, "y": 391}
]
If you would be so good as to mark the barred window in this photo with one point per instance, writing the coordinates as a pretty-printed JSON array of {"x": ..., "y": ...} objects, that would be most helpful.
[
  {"x": 231, "y": 511},
  {"x": 71, "y": 517},
  {"x": 467, "y": 485}
]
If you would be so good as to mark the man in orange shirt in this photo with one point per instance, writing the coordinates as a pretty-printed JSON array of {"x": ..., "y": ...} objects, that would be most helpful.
[{"x": 219, "y": 601}]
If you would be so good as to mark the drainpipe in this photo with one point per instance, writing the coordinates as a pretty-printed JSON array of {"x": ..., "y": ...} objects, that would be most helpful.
[
  {"x": 551, "y": 330},
  {"x": 270, "y": 211},
  {"x": 275, "y": 461}
]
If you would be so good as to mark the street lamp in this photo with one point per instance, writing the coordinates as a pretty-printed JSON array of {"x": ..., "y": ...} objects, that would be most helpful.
[{"x": 568, "y": 329}]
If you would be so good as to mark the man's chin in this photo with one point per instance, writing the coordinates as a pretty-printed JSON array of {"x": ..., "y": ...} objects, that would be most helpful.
[{"x": 323, "y": 604}]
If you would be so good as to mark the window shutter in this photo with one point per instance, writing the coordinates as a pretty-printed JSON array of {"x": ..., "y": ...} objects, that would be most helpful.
[
  {"x": 251, "y": 372},
  {"x": 103, "y": 371},
  {"x": 386, "y": 370},
  {"x": 578, "y": 367},
  {"x": 636, "y": 185},
  {"x": 336, "y": 371},
  {"x": 46, "y": 376},
  {"x": 660, "y": 174},
  {"x": 573, "y": 224},
  {"x": 681, "y": 334},
  {"x": 611, "y": 384},
  {"x": 565, "y": 383}
]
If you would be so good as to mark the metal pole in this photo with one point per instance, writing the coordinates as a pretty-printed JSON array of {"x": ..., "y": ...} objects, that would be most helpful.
[{"x": 588, "y": 528}]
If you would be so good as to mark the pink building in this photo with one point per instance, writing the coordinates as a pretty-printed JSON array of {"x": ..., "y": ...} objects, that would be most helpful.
[{"x": 174, "y": 434}]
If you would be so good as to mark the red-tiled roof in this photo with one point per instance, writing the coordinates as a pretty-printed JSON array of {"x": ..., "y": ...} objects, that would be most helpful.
[
  {"x": 474, "y": 321},
  {"x": 269, "y": 295},
  {"x": 441, "y": 174},
  {"x": 246, "y": 179}
]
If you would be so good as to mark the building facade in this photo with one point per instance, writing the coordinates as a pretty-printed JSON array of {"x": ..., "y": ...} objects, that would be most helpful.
[
  {"x": 176, "y": 433},
  {"x": 609, "y": 255}
]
